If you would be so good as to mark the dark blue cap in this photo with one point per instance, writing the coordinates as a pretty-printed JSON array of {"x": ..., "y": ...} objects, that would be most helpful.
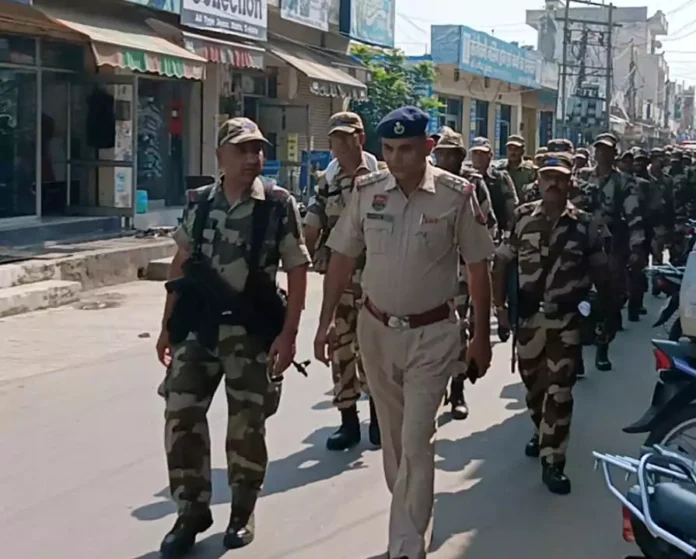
[{"x": 406, "y": 122}]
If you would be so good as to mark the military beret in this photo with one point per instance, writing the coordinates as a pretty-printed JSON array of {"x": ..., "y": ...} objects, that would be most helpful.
[
  {"x": 560, "y": 162},
  {"x": 406, "y": 122},
  {"x": 481, "y": 144},
  {"x": 606, "y": 139},
  {"x": 515, "y": 141},
  {"x": 561, "y": 145}
]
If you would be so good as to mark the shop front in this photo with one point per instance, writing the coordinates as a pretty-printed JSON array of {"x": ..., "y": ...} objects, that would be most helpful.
[
  {"x": 130, "y": 118},
  {"x": 306, "y": 86}
]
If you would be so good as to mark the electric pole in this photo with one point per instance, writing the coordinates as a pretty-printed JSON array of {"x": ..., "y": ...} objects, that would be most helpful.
[
  {"x": 632, "y": 84},
  {"x": 587, "y": 56}
]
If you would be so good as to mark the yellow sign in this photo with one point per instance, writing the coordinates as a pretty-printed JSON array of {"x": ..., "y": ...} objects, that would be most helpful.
[{"x": 293, "y": 148}]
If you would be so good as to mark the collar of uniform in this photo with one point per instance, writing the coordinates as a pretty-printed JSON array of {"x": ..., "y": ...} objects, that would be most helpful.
[
  {"x": 363, "y": 165},
  {"x": 570, "y": 210},
  {"x": 257, "y": 191}
]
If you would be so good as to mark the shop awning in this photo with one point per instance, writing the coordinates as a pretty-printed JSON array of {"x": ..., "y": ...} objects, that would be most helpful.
[
  {"x": 28, "y": 20},
  {"x": 326, "y": 80},
  {"x": 224, "y": 52},
  {"x": 131, "y": 45}
]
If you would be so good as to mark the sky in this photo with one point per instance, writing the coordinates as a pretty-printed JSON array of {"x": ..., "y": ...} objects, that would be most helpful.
[{"x": 506, "y": 20}]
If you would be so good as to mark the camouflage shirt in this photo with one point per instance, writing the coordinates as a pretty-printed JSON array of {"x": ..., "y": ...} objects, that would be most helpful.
[
  {"x": 613, "y": 200},
  {"x": 683, "y": 194},
  {"x": 530, "y": 192},
  {"x": 521, "y": 176},
  {"x": 227, "y": 232},
  {"x": 502, "y": 193},
  {"x": 482, "y": 195},
  {"x": 565, "y": 249}
]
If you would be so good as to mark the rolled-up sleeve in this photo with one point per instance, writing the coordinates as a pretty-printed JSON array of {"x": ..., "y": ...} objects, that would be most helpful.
[
  {"x": 292, "y": 248},
  {"x": 507, "y": 251},
  {"x": 474, "y": 241},
  {"x": 316, "y": 209},
  {"x": 347, "y": 236},
  {"x": 183, "y": 233}
]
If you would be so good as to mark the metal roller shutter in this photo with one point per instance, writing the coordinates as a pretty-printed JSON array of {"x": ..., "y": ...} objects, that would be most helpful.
[{"x": 320, "y": 111}]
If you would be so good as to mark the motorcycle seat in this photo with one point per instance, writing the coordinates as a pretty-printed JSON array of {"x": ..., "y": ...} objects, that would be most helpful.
[{"x": 672, "y": 506}]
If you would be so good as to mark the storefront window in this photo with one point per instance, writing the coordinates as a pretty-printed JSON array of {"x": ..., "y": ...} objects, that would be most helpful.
[
  {"x": 17, "y": 143},
  {"x": 55, "y": 96},
  {"x": 17, "y": 49},
  {"x": 162, "y": 116},
  {"x": 62, "y": 56}
]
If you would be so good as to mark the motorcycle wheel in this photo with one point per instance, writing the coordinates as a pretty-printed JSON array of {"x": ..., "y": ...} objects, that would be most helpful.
[
  {"x": 675, "y": 332},
  {"x": 665, "y": 432}
]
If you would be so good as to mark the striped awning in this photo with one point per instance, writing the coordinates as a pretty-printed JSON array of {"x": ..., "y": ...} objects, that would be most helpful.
[
  {"x": 234, "y": 54},
  {"x": 130, "y": 45}
]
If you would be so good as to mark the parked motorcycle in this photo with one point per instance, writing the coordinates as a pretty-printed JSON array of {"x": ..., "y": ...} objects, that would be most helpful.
[
  {"x": 671, "y": 419},
  {"x": 659, "y": 513},
  {"x": 668, "y": 280},
  {"x": 689, "y": 241}
]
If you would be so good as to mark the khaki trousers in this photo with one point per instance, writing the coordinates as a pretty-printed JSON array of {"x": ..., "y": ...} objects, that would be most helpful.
[{"x": 407, "y": 373}]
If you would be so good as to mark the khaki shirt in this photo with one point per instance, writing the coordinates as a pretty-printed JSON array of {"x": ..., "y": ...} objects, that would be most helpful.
[
  {"x": 227, "y": 233},
  {"x": 412, "y": 243}
]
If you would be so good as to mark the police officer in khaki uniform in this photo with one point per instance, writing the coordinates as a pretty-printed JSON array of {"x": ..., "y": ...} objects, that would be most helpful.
[{"x": 414, "y": 221}]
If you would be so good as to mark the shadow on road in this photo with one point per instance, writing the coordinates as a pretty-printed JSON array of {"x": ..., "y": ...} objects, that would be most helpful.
[{"x": 311, "y": 464}]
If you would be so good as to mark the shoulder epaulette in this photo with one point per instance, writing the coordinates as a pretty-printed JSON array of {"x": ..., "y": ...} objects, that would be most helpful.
[
  {"x": 460, "y": 184},
  {"x": 197, "y": 195},
  {"x": 470, "y": 173},
  {"x": 371, "y": 178}
]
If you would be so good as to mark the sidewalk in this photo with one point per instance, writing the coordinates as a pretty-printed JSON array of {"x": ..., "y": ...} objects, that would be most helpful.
[{"x": 48, "y": 341}]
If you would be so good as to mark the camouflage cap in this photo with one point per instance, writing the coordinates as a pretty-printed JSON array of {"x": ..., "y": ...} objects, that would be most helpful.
[
  {"x": 582, "y": 153},
  {"x": 561, "y": 145},
  {"x": 451, "y": 140},
  {"x": 560, "y": 162},
  {"x": 541, "y": 151},
  {"x": 628, "y": 154},
  {"x": 515, "y": 141},
  {"x": 640, "y": 153},
  {"x": 345, "y": 122},
  {"x": 238, "y": 131},
  {"x": 606, "y": 139},
  {"x": 481, "y": 144},
  {"x": 657, "y": 152}
]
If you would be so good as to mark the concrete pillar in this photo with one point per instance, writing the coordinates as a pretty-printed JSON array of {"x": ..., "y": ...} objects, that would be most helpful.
[{"x": 210, "y": 108}]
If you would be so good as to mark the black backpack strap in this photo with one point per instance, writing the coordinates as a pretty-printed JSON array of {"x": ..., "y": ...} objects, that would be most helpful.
[
  {"x": 259, "y": 225},
  {"x": 202, "y": 211}
]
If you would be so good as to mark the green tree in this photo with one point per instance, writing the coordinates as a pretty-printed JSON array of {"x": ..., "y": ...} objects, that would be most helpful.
[{"x": 395, "y": 83}]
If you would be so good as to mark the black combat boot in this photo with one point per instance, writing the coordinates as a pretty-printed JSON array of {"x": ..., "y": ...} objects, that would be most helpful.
[
  {"x": 460, "y": 410},
  {"x": 634, "y": 311},
  {"x": 348, "y": 434},
  {"x": 580, "y": 367},
  {"x": 619, "y": 321},
  {"x": 602, "y": 358},
  {"x": 641, "y": 305},
  {"x": 553, "y": 477},
  {"x": 373, "y": 431},
  {"x": 181, "y": 539},
  {"x": 532, "y": 449},
  {"x": 240, "y": 530}
]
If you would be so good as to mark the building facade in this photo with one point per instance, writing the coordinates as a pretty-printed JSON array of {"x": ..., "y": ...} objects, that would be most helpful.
[{"x": 492, "y": 88}]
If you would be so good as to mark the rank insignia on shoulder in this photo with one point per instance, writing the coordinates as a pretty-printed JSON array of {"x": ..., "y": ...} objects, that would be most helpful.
[
  {"x": 456, "y": 183},
  {"x": 371, "y": 178}
]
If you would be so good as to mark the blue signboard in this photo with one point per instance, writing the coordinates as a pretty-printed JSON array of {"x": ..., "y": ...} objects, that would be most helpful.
[
  {"x": 271, "y": 169},
  {"x": 483, "y": 54},
  {"x": 369, "y": 21},
  {"x": 173, "y": 6},
  {"x": 473, "y": 125}
]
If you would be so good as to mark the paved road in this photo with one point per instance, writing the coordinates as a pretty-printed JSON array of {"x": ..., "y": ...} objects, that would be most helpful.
[{"x": 82, "y": 471}]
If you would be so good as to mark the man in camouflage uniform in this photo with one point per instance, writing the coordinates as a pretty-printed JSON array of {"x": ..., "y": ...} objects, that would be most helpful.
[
  {"x": 502, "y": 191},
  {"x": 558, "y": 252},
  {"x": 581, "y": 159},
  {"x": 683, "y": 196},
  {"x": 520, "y": 171},
  {"x": 539, "y": 156},
  {"x": 242, "y": 360},
  {"x": 449, "y": 155},
  {"x": 347, "y": 135},
  {"x": 531, "y": 192},
  {"x": 660, "y": 205},
  {"x": 611, "y": 197}
]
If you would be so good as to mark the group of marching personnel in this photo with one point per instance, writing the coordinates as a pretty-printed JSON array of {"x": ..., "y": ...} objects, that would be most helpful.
[{"x": 416, "y": 251}]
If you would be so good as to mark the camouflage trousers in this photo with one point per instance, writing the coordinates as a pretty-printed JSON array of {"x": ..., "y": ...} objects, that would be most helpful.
[
  {"x": 548, "y": 350},
  {"x": 465, "y": 312},
  {"x": 190, "y": 384},
  {"x": 346, "y": 366},
  {"x": 658, "y": 244}
]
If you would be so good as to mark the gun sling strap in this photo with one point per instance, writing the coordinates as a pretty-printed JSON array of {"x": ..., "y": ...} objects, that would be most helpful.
[{"x": 260, "y": 218}]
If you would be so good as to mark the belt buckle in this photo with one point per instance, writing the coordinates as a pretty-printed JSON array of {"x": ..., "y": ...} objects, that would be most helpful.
[{"x": 398, "y": 322}]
